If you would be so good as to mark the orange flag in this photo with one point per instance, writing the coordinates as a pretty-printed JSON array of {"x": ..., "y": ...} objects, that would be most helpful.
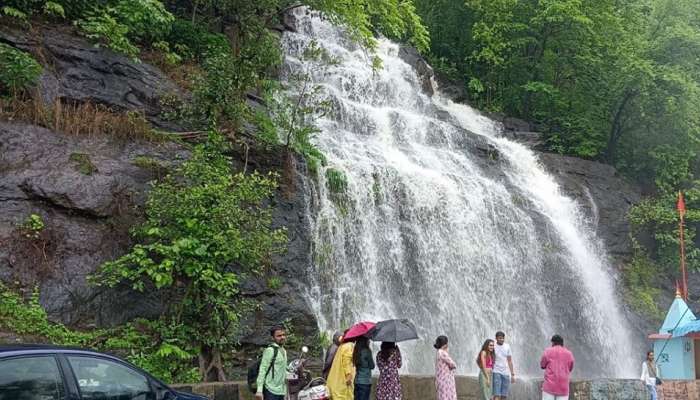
[{"x": 681, "y": 204}]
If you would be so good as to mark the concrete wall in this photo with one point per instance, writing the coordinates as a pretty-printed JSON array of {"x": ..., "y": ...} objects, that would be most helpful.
[{"x": 416, "y": 387}]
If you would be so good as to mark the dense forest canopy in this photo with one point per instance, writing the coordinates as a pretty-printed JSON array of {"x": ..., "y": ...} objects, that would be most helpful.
[{"x": 613, "y": 80}]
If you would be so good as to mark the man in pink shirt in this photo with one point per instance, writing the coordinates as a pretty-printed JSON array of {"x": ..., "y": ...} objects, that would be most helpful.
[{"x": 557, "y": 363}]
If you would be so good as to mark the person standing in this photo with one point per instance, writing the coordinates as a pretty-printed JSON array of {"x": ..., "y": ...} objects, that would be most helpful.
[
  {"x": 649, "y": 375},
  {"x": 389, "y": 362},
  {"x": 485, "y": 362},
  {"x": 503, "y": 373},
  {"x": 557, "y": 363},
  {"x": 342, "y": 373},
  {"x": 271, "y": 382},
  {"x": 330, "y": 354},
  {"x": 444, "y": 371},
  {"x": 364, "y": 364}
]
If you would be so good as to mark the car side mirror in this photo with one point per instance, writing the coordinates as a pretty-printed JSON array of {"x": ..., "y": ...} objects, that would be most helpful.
[{"x": 166, "y": 394}]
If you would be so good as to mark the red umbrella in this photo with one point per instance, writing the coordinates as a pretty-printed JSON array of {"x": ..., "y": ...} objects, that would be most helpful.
[{"x": 357, "y": 330}]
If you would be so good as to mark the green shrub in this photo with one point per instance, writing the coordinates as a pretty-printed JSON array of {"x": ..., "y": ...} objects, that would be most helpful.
[
  {"x": 336, "y": 181},
  {"x": 156, "y": 346},
  {"x": 640, "y": 287},
  {"x": 33, "y": 226},
  {"x": 103, "y": 27},
  {"x": 147, "y": 20},
  {"x": 274, "y": 282},
  {"x": 126, "y": 22},
  {"x": 195, "y": 41},
  {"x": 18, "y": 70},
  {"x": 200, "y": 220}
]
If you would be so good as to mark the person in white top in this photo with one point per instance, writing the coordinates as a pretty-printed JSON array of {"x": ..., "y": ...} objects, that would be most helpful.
[
  {"x": 502, "y": 374},
  {"x": 649, "y": 375}
]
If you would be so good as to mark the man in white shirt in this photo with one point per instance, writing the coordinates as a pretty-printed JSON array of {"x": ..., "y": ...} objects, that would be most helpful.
[
  {"x": 503, "y": 373},
  {"x": 649, "y": 375}
]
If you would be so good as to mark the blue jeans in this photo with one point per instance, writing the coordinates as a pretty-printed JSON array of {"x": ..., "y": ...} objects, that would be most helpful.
[
  {"x": 362, "y": 392},
  {"x": 501, "y": 384},
  {"x": 652, "y": 392}
]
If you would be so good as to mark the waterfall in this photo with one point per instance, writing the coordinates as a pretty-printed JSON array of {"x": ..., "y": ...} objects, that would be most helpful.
[{"x": 447, "y": 223}]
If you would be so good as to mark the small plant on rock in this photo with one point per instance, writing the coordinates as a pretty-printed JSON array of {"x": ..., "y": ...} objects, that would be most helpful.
[
  {"x": 33, "y": 226},
  {"x": 18, "y": 70}
]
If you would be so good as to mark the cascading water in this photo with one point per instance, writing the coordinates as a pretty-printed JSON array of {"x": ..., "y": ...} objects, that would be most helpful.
[{"x": 447, "y": 224}]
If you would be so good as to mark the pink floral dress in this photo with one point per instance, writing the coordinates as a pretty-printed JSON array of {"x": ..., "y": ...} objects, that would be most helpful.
[
  {"x": 388, "y": 384},
  {"x": 445, "y": 376}
]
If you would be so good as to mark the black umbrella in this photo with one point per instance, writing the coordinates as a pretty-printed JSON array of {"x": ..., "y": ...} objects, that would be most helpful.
[{"x": 393, "y": 330}]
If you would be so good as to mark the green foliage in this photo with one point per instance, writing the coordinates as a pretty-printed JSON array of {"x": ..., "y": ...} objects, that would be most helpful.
[
  {"x": 23, "y": 9},
  {"x": 659, "y": 217},
  {"x": 83, "y": 164},
  {"x": 103, "y": 27},
  {"x": 151, "y": 345},
  {"x": 121, "y": 24},
  {"x": 196, "y": 41},
  {"x": 336, "y": 181},
  {"x": 200, "y": 220},
  {"x": 33, "y": 226},
  {"x": 640, "y": 285},
  {"x": 274, "y": 282},
  {"x": 29, "y": 318},
  {"x": 397, "y": 19},
  {"x": 18, "y": 70},
  {"x": 14, "y": 13},
  {"x": 149, "y": 163},
  {"x": 54, "y": 9},
  {"x": 296, "y": 106}
]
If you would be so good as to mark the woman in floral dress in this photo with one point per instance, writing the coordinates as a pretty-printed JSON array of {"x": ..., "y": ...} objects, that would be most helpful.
[
  {"x": 444, "y": 371},
  {"x": 389, "y": 362}
]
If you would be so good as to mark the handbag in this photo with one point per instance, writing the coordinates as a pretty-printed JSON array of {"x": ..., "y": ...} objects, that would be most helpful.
[{"x": 658, "y": 381}]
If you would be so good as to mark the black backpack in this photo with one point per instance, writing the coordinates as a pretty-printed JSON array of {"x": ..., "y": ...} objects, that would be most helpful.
[{"x": 254, "y": 370}]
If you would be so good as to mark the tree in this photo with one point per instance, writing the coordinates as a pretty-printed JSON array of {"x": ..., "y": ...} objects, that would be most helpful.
[{"x": 205, "y": 228}]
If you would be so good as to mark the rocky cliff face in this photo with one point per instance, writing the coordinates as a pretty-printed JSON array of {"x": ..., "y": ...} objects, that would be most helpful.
[{"x": 90, "y": 190}]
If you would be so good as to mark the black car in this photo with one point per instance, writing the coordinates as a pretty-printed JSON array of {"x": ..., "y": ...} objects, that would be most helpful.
[{"x": 42, "y": 372}]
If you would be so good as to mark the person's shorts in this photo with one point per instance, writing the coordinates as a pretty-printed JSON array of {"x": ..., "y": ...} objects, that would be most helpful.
[
  {"x": 501, "y": 385},
  {"x": 547, "y": 396}
]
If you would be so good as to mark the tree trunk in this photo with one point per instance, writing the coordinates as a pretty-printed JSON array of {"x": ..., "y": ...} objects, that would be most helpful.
[
  {"x": 617, "y": 130},
  {"x": 211, "y": 367},
  {"x": 288, "y": 185}
]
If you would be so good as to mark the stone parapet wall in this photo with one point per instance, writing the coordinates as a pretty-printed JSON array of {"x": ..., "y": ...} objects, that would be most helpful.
[
  {"x": 422, "y": 387},
  {"x": 679, "y": 390}
]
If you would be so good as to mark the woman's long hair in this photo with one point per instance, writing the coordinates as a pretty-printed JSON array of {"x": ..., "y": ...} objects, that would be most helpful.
[
  {"x": 485, "y": 348},
  {"x": 361, "y": 344},
  {"x": 386, "y": 350}
]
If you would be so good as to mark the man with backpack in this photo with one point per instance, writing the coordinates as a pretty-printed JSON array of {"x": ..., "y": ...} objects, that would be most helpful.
[{"x": 271, "y": 383}]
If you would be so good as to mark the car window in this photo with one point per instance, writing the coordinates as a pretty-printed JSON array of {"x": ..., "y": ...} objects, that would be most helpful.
[
  {"x": 100, "y": 379},
  {"x": 30, "y": 378}
]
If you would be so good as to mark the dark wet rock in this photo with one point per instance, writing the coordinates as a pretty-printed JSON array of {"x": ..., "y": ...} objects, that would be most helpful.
[
  {"x": 425, "y": 72},
  {"x": 87, "y": 218},
  {"x": 532, "y": 140},
  {"x": 605, "y": 195},
  {"x": 76, "y": 71}
]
